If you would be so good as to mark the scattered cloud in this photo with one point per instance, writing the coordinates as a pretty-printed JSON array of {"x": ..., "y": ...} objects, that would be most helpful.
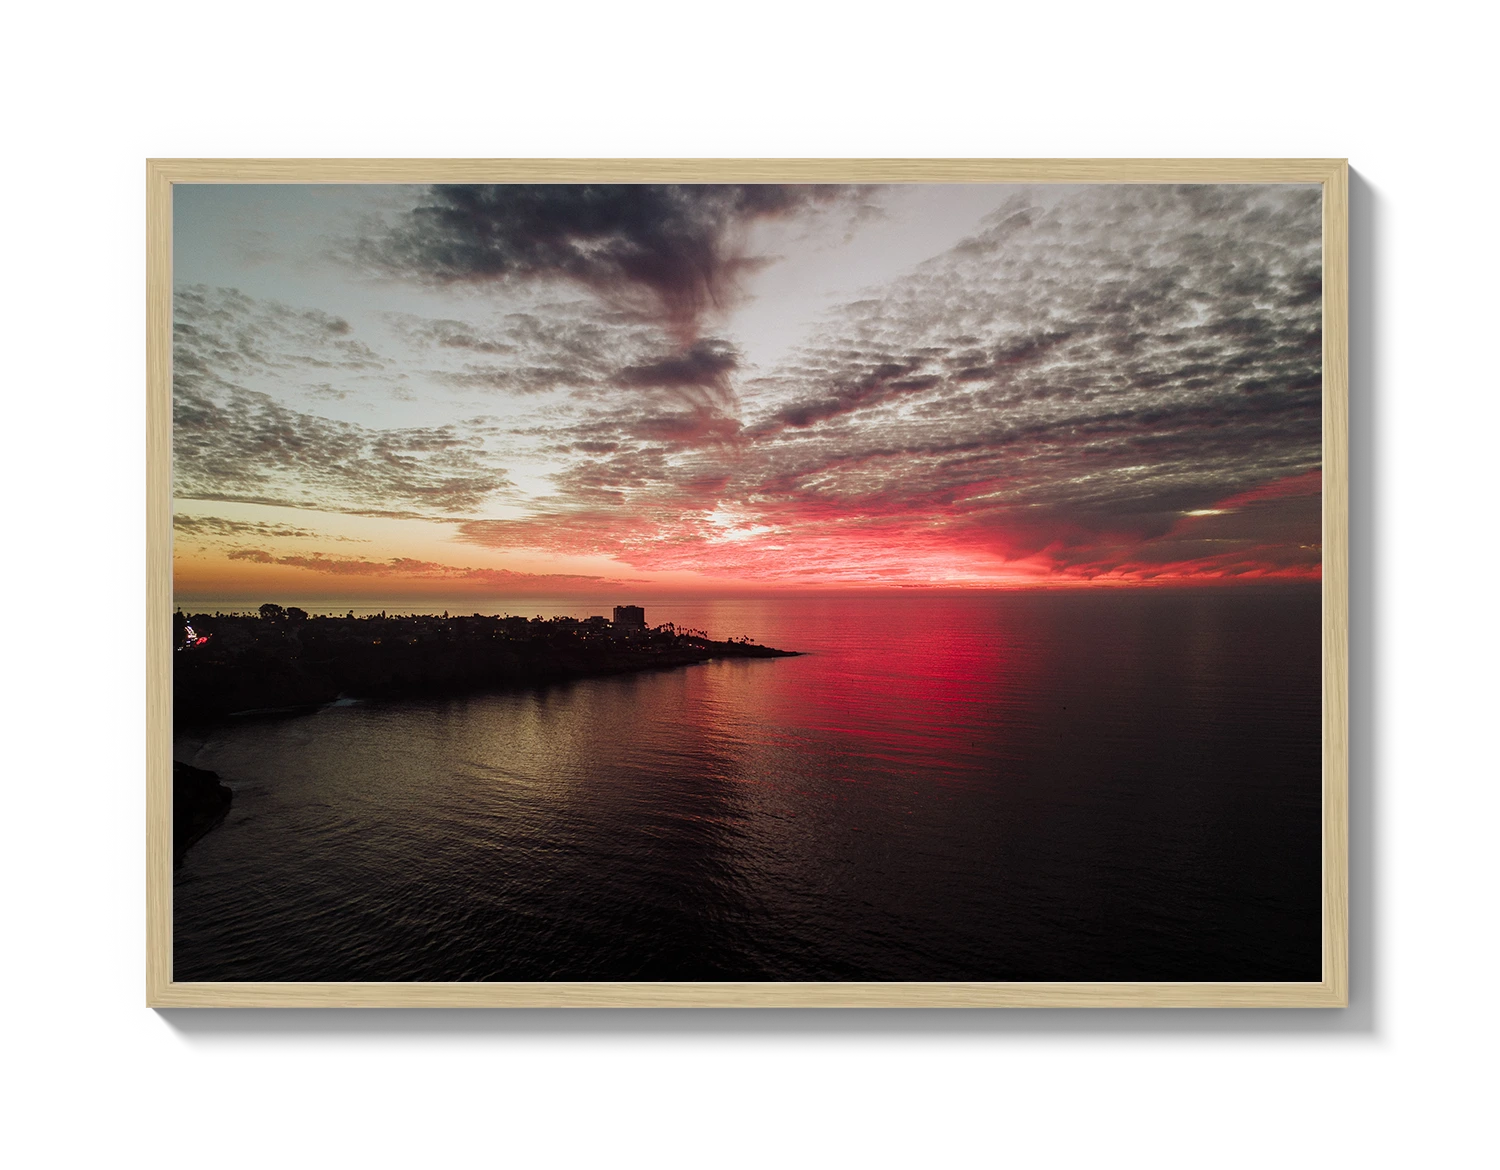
[
  {"x": 408, "y": 568},
  {"x": 224, "y": 330},
  {"x": 231, "y": 442},
  {"x": 215, "y": 528},
  {"x": 242, "y": 445}
]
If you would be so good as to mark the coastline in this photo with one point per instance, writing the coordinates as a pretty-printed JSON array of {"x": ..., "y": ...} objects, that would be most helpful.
[{"x": 235, "y": 665}]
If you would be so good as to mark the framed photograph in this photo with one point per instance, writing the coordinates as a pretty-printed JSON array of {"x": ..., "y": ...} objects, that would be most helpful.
[{"x": 747, "y": 583}]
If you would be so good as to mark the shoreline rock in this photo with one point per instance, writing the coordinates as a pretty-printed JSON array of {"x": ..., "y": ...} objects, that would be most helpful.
[{"x": 199, "y": 803}]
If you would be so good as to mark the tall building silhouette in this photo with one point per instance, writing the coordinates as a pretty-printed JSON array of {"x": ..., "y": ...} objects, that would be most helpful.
[{"x": 630, "y": 617}]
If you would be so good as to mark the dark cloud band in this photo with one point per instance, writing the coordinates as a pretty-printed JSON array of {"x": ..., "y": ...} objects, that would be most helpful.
[{"x": 681, "y": 246}]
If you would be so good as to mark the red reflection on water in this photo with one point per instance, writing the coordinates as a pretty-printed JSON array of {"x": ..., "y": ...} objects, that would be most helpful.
[{"x": 926, "y": 684}]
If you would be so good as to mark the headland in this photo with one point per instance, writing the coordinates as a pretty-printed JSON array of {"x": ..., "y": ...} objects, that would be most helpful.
[{"x": 285, "y": 659}]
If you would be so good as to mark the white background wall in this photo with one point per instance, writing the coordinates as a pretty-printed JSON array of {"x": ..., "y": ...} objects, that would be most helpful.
[{"x": 1402, "y": 1077}]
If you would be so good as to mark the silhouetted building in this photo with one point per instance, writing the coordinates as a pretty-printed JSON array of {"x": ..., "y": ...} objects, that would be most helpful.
[{"x": 630, "y": 617}]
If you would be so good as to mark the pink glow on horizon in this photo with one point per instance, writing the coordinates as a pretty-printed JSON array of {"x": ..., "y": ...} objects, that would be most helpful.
[{"x": 1266, "y": 533}]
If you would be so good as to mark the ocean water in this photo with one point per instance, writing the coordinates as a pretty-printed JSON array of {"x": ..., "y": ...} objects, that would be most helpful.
[{"x": 1085, "y": 784}]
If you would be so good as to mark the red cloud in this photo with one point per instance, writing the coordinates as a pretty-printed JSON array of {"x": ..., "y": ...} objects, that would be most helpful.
[{"x": 1308, "y": 484}]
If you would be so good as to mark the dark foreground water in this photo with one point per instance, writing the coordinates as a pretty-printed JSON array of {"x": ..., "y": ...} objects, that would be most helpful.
[{"x": 1077, "y": 785}]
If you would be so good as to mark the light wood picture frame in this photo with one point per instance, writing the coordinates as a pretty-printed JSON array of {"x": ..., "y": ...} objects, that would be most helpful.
[{"x": 162, "y": 174}]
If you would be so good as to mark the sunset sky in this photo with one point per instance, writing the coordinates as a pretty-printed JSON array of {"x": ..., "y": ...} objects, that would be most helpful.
[{"x": 458, "y": 391}]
